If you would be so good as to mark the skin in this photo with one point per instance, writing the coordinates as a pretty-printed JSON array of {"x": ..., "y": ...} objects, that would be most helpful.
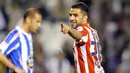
[
  {"x": 77, "y": 18},
  {"x": 30, "y": 25},
  {"x": 7, "y": 63}
]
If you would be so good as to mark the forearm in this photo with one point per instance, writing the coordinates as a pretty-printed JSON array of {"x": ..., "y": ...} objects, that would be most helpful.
[
  {"x": 6, "y": 62},
  {"x": 75, "y": 34},
  {"x": 100, "y": 48}
]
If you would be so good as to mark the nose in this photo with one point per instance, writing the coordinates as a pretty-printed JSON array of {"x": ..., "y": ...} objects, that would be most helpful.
[
  {"x": 39, "y": 25},
  {"x": 72, "y": 18}
]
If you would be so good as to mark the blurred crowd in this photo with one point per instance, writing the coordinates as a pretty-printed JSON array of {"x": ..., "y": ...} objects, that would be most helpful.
[{"x": 53, "y": 50}]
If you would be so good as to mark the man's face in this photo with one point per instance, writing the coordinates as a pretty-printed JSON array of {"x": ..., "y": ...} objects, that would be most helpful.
[
  {"x": 35, "y": 23},
  {"x": 76, "y": 17}
]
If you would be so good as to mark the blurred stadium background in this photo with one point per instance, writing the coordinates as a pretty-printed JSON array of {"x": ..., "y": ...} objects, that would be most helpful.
[{"x": 52, "y": 50}]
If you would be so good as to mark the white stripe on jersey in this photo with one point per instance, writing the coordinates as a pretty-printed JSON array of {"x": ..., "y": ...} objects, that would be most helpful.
[
  {"x": 4, "y": 45},
  {"x": 14, "y": 38},
  {"x": 92, "y": 47},
  {"x": 24, "y": 52},
  {"x": 84, "y": 53},
  {"x": 15, "y": 47},
  {"x": 76, "y": 56},
  {"x": 91, "y": 37},
  {"x": 84, "y": 38},
  {"x": 16, "y": 43}
]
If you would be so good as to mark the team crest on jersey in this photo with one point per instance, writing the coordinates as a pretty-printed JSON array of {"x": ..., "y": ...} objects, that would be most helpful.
[{"x": 30, "y": 62}]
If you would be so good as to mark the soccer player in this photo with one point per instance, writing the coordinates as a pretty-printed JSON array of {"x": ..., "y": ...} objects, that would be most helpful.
[
  {"x": 86, "y": 48},
  {"x": 17, "y": 46}
]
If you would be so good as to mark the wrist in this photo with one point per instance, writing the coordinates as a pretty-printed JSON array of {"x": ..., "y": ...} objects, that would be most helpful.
[{"x": 15, "y": 68}]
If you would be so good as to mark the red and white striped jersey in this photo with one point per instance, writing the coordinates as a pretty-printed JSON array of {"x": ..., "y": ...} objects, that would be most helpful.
[{"x": 86, "y": 51}]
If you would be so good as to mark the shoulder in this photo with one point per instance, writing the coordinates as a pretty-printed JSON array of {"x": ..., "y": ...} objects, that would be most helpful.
[
  {"x": 15, "y": 31},
  {"x": 12, "y": 34},
  {"x": 82, "y": 27},
  {"x": 94, "y": 30}
]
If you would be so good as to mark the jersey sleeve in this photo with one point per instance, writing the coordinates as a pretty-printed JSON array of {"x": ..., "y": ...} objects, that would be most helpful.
[
  {"x": 84, "y": 34},
  {"x": 10, "y": 43}
]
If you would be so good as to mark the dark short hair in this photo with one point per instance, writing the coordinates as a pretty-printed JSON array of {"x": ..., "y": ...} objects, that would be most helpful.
[
  {"x": 81, "y": 6},
  {"x": 31, "y": 12}
]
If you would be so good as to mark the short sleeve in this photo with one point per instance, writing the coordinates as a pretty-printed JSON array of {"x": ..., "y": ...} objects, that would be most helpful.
[
  {"x": 84, "y": 33},
  {"x": 10, "y": 43}
]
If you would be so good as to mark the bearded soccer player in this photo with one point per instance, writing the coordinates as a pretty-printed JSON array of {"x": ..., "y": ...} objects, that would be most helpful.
[
  {"x": 86, "y": 48},
  {"x": 16, "y": 51}
]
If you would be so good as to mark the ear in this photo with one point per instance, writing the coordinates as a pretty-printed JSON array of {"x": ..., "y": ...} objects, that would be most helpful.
[
  {"x": 85, "y": 19},
  {"x": 28, "y": 20}
]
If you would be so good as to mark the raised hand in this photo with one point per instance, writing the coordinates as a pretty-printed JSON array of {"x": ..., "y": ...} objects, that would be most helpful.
[{"x": 65, "y": 28}]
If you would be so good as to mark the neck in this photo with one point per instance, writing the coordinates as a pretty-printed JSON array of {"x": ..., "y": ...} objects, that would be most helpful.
[
  {"x": 85, "y": 22},
  {"x": 24, "y": 27}
]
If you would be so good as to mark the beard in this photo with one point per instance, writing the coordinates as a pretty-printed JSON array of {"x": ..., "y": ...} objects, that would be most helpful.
[{"x": 73, "y": 25}]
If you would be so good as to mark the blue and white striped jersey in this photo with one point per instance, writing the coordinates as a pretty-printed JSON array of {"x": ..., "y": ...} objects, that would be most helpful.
[{"x": 17, "y": 46}]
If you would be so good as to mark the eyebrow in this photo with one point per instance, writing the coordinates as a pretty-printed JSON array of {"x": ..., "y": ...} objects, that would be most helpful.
[{"x": 38, "y": 21}]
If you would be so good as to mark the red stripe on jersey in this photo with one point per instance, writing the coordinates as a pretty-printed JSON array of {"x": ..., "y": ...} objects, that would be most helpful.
[
  {"x": 84, "y": 32},
  {"x": 89, "y": 58},
  {"x": 82, "y": 51},
  {"x": 81, "y": 61},
  {"x": 95, "y": 57}
]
